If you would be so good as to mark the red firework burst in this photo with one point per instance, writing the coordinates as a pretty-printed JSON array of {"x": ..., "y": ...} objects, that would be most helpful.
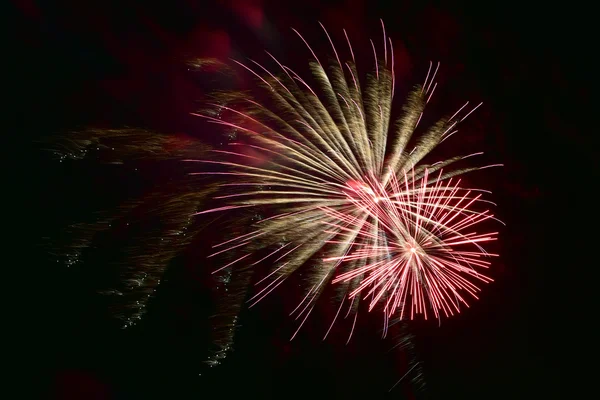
[{"x": 420, "y": 249}]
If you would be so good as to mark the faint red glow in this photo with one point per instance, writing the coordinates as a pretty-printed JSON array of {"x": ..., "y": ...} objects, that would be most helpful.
[
  {"x": 211, "y": 43},
  {"x": 79, "y": 385},
  {"x": 250, "y": 11},
  {"x": 29, "y": 8}
]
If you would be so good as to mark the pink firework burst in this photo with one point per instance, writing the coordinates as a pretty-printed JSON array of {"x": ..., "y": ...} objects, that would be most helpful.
[{"x": 420, "y": 249}]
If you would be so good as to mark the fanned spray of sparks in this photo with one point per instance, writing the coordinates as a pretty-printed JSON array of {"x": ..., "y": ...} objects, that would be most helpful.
[
  {"x": 326, "y": 160},
  {"x": 427, "y": 248}
]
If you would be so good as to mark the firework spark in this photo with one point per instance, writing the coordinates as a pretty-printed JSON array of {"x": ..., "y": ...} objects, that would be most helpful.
[
  {"x": 145, "y": 256},
  {"x": 425, "y": 247},
  {"x": 323, "y": 161}
]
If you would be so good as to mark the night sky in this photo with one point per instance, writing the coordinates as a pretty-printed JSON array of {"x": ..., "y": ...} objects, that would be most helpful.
[{"x": 112, "y": 64}]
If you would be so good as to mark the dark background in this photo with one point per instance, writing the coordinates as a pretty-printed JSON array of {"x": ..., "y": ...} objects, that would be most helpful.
[{"x": 121, "y": 63}]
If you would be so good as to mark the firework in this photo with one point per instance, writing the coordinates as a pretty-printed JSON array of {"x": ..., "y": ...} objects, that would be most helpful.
[
  {"x": 149, "y": 247},
  {"x": 322, "y": 163},
  {"x": 117, "y": 146},
  {"x": 424, "y": 252},
  {"x": 152, "y": 228}
]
